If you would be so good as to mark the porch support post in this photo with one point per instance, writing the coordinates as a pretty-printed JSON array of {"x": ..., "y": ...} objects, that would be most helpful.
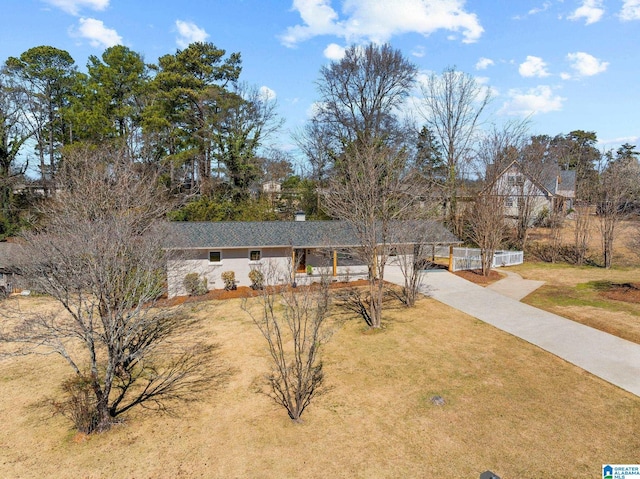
[
  {"x": 451, "y": 258},
  {"x": 293, "y": 265},
  {"x": 335, "y": 262}
]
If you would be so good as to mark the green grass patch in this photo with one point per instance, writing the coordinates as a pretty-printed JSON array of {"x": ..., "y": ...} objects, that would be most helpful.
[{"x": 548, "y": 296}]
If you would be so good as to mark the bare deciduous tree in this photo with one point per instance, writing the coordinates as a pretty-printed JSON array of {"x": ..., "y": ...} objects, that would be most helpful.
[
  {"x": 537, "y": 171},
  {"x": 100, "y": 256},
  {"x": 582, "y": 231},
  {"x": 618, "y": 180},
  {"x": 361, "y": 92},
  {"x": 360, "y": 97},
  {"x": 369, "y": 194},
  {"x": 487, "y": 226},
  {"x": 292, "y": 321},
  {"x": 451, "y": 106},
  {"x": 556, "y": 224},
  {"x": 415, "y": 240},
  {"x": 487, "y": 223}
]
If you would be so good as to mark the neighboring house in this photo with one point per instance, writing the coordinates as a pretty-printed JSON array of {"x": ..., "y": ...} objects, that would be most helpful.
[
  {"x": 271, "y": 187},
  {"x": 288, "y": 247},
  {"x": 553, "y": 189},
  {"x": 8, "y": 253}
]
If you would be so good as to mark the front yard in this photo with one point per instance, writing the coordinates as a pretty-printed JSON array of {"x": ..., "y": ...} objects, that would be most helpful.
[{"x": 509, "y": 407}]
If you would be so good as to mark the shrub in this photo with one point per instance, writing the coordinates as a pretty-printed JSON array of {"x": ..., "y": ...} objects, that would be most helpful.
[
  {"x": 229, "y": 280},
  {"x": 257, "y": 279},
  {"x": 545, "y": 252},
  {"x": 542, "y": 218},
  {"x": 292, "y": 323},
  {"x": 194, "y": 285},
  {"x": 78, "y": 404}
]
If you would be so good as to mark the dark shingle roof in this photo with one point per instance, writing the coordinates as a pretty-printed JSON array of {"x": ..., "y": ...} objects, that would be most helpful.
[
  {"x": 299, "y": 234},
  {"x": 551, "y": 176}
]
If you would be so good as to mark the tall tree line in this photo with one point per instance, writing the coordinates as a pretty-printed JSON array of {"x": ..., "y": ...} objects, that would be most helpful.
[{"x": 188, "y": 116}]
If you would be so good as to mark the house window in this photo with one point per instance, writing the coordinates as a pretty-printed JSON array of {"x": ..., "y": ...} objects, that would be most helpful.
[
  {"x": 255, "y": 255},
  {"x": 515, "y": 180},
  {"x": 510, "y": 201},
  {"x": 215, "y": 256}
]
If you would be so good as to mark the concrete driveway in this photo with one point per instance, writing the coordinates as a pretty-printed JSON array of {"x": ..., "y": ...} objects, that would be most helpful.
[{"x": 611, "y": 358}]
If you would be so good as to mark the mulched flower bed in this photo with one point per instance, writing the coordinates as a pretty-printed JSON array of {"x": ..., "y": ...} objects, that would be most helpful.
[
  {"x": 628, "y": 292},
  {"x": 244, "y": 292},
  {"x": 475, "y": 276}
]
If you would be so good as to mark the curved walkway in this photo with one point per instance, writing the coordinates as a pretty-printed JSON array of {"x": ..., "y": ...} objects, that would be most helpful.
[
  {"x": 514, "y": 286},
  {"x": 611, "y": 358}
]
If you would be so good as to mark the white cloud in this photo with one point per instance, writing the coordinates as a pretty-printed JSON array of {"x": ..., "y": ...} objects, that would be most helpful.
[
  {"x": 630, "y": 10},
  {"x": 73, "y": 6},
  {"x": 189, "y": 33},
  {"x": 535, "y": 100},
  {"x": 97, "y": 34},
  {"x": 318, "y": 17},
  {"x": 533, "y": 67},
  {"x": 590, "y": 10},
  {"x": 483, "y": 63},
  {"x": 379, "y": 20},
  {"x": 334, "y": 52},
  {"x": 586, "y": 65},
  {"x": 534, "y": 11},
  {"x": 266, "y": 93},
  {"x": 418, "y": 51},
  {"x": 633, "y": 140}
]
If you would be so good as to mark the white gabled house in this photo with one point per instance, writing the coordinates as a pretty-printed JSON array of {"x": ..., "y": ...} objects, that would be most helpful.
[
  {"x": 553, "y": 189},
  {"x": 211, "y": 248}
]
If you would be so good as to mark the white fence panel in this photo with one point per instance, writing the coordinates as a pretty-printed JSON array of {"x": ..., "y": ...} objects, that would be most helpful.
[
  {"x": 469, "y": 258},
  {"x": 461, "y": 263}
]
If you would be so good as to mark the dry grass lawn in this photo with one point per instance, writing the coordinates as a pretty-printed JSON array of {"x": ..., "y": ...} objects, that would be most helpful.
[
  {"x": 572, "y": 292},
  {"x": 510, "y": 407}
]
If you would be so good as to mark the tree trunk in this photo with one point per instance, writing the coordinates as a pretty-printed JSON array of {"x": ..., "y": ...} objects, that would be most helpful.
[{"x": 375, "y": 303}]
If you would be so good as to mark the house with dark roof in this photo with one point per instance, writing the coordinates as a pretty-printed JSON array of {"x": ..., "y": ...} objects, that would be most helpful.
[
  {"x": 8, "y": 252},
  {"x": 288, "y": 247},
  {"x": 552, "y": 188}
]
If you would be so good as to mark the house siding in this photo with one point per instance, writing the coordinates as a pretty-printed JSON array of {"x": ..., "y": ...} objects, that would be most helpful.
[{"x": 237, "y": 260}]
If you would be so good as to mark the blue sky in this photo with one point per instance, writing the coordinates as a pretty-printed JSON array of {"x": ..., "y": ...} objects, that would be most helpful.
[{"x": 566, "y": 64}]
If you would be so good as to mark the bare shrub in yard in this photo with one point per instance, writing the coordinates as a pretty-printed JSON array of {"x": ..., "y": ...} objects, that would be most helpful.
[
  {"x": 195, "y": 285},
  {"x": 355, "y": 300},
  {"x": 292, "y": 323},
  {"x": 78, "y": 403}
]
